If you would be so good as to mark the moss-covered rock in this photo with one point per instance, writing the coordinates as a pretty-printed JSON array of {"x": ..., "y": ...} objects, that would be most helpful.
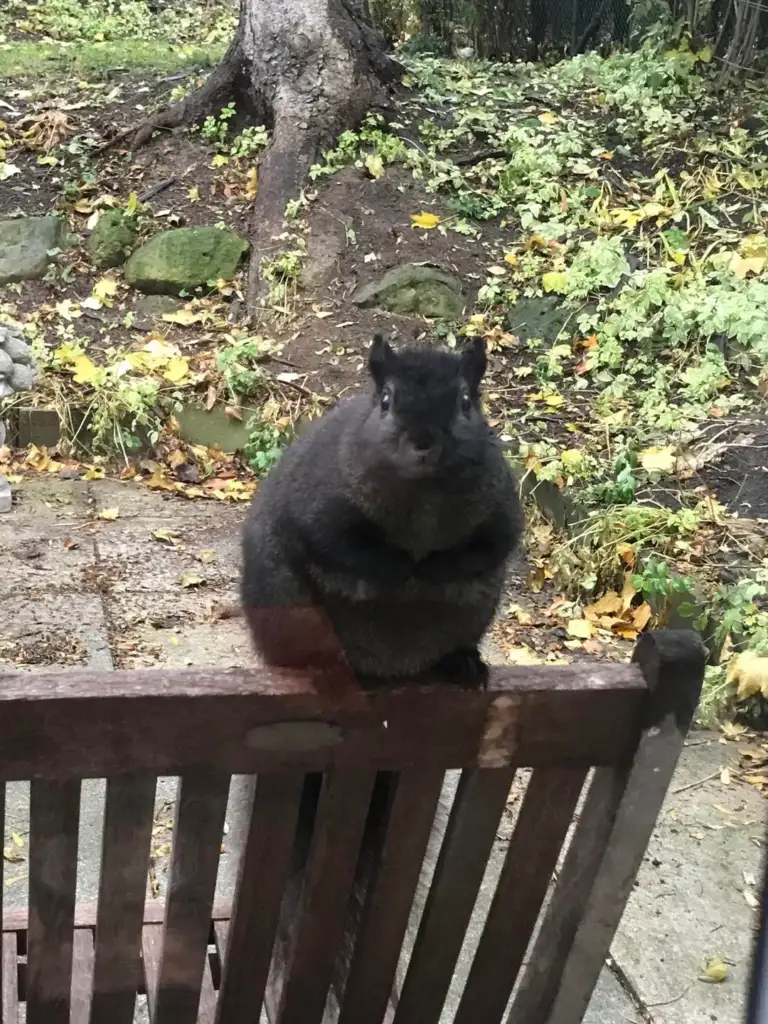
[
  {"x": 112, "y": 239},
  {"x": 415, "y": 289},
  {"x": 26, "y": 244},
  {"x": 183, "y": 259}
]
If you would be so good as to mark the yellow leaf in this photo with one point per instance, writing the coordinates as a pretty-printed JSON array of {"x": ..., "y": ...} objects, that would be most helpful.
[
  {"x": 750, "y": 674},
  {"x": 84, "y": 370},
  {"x": 743, "y": 265},
  {"x": 177, "y": 369},
  {"x": 608, "y": 603},
  {"x": 374, "y": 165},
  {"x": 185, "y": 317},
  {"x": 522, "y": 656},
  {"x": 715, "y": 971},
  {"x": 641, "y": 616},
  {"x": 425, "y": 220},
  {"x": 554, "y": 401},
  {"x": 548, "y": 117},
  {"x": 206, "y": 556},
  {"x": 252, "y": 183},
  {"x": 581, "y": 628},
  {"x": 658, "y": 460},
  {"x": 510, "y": 258},
  {"x": 572, "y": 458},
  {"x": 555, "y": 281},
  {"x": 193, "y": 194},
  {"x": 109, "y": 514},
  {"x": 104, "y": 289},
  {"x": 705, "y": 54},
  {"x": 132, "y": 205}
]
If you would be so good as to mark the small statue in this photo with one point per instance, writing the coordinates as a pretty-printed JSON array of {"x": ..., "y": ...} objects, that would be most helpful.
[{"x": 17, "y": 373}]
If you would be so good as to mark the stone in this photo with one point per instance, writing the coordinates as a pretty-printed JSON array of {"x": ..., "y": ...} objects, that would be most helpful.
[
  {"x": 112, "y": 239},
  {"x": 12, "y": 342},
  {"x": 6, "y": 364},
  {"x": 156, "y": 305},
  {"x": 22, "y": 378},
  {"x": 183, "y": 259},
  {"x": 6, "y": 500},
  {"x": 24, "y": 246},
  {"x": 39, "y": 426},
  {"x": 415, "y": 289}
]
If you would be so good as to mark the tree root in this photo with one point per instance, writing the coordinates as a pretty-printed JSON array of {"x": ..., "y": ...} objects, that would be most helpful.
[{"x": 215, "y": 91}]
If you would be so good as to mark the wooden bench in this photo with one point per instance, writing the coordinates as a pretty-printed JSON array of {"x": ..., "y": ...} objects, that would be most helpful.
[{"x": 617, "y": 728}]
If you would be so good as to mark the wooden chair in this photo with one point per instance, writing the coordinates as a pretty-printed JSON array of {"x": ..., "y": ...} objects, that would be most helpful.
[{"x": 619, "y": 728}]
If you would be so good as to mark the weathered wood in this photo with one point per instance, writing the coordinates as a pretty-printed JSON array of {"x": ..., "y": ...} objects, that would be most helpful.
[
  {"x": 221, "y": 937},
  {"x": 10, "y": 992},
  {"x": 207, "y": 1013},
  {"x": 545, "y": 817},
  {"x": 463, "y": 858},
  {"x": 54, "y": 819},
  {"x": 80, "y": 725},
  {"x": 391, "y": 889},
  {"x": 122, "y": 892},
  {"x": 82, "y": 975},
  {"x": 263, "y": 872},
  {"x": 16, "y": 919},
  {"x": 198, "y": 828},
  {"x": 341, "y": 815},
  {"x": 543, "y": 971},
  {"x": 673, "y": 665},
  {"x": 151, "y": 954}
]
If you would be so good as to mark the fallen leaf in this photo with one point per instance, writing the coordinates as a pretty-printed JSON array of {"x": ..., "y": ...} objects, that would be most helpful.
[
  {"x": 641, "y": 616},
  {"x": 185, "y": 317},
  {"x": 658, "y": 460},
  {"x": 555, "y": 282},
  {"x": 548, "y": 117},
  {"x": 580, "y": 628},
  {"x": 374, "y": 165},
  {"x": 177, "y": 369},
  {"x": 206, "y": 556},
  {"x": 191, "y": 579},
  {"x": 715, "y": 971},
  {"x": 109, "y": 514},
  {"x": 425, "y": 220},
  {"x": 725, "y": 776},
  {"x": 751, "y": 899},
  {"x": 608, "y": 603},
  {"x": 167, "y": 536},
  {"x": 750, "y": 674}
]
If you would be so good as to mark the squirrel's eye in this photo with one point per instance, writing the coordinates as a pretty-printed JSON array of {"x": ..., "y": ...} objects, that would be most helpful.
[
  {"x": 386, "y": 400},
  {"x": 466, "y": 402}
]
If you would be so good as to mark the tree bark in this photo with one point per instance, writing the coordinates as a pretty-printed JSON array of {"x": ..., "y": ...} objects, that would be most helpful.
[{"x": 308, "y": 69}]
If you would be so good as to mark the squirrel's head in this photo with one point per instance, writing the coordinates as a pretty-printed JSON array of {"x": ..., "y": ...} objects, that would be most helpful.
[{"x": 426, "y": 417}]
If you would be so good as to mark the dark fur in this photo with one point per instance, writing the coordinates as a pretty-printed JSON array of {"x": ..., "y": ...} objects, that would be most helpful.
[{"x": 380, "y": 539}]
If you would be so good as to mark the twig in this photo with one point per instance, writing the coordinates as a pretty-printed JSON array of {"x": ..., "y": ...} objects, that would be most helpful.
[
  {"x": 154, "y": 189},
  {"x": 477, "y": 158},
  {"x": 692, "y": 785}
]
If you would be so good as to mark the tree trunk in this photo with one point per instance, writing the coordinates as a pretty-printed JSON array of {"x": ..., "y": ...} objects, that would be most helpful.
[{"x": 308, "y": 69}]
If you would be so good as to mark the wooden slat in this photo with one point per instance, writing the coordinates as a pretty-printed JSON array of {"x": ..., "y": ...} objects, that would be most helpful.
[
  {"x": 263, "y": 872},
  {"x": 151, "y": 953},
  {"x": 54, "y": 818},
  {"x": 673, "y": 664},
  {"x": 221, "y": 935},
  {"x": 16, "y": 919},
  {"x": 385, "y": 916},
  {"x": 541, "y": 978},
  {"x": 122, "y": 891},
  {"x": 612, "y": 836},
  {"x": 207, "y": 1013},
  {"x": 10, "y": 1003},
  {"x": 468, "y": 842},
  {"x": 545, "y": 817},
  {"x": 82, "y": 725},
  {"x": 82, "y": 975},
  {"x": 341, "y": 816},
  {"x": 198, "y": 828}
]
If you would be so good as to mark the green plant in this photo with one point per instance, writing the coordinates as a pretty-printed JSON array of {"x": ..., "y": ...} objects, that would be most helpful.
[
  {"x": 265, "y": 444},
  {"x": 215, "y": 128},
  {"x": 240, "y": 364}
]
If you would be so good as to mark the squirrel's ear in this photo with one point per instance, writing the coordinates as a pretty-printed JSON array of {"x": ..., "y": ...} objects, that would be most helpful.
[
  {"x": 380, "y": 360},
  {"x": 474, "y": 362}
]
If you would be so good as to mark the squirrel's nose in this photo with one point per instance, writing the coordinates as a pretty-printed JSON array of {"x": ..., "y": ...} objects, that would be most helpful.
[{"x": 422, "y": 440}]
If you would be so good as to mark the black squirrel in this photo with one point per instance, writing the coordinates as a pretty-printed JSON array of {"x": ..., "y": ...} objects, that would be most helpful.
[
  {"x": 378, "y": 543},
  {"x": 381, "y": 536}
]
